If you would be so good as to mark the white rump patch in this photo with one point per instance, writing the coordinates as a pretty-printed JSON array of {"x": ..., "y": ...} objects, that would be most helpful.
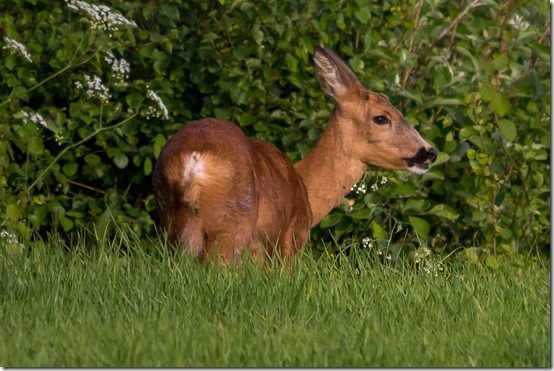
[{"x": 194, "y": 167}]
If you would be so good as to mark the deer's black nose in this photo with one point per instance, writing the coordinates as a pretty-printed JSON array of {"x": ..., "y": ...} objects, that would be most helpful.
[{"x": 431, "y": 155}]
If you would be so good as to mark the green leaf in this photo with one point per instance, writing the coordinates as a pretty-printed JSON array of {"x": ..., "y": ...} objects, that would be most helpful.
[
  {"x": 357, "y": 64},
  {"x": 416, "y": 204},
  {"x": 36, "y": 146},
  {"x": 104, "y": 223},
  {"x": 92, "y": 159},
  {"x": 75, "y": 110},
  {"x": 257, "y": 34},
  {"x": 340, "y": 21},
  {"x": 70, "y": 168},
  {"x": 407, "y": 94},
  {"x": 500, "y": 61},
  {"x": 121, "y": 161},
  {"x": 508, "y": 129},
  {"x": 491, "y": 262},
  {"x": 14, "y": 212},
  {"x": 460, "y": 152},
  {"x": 20, "y": 92},
  {"x": 487, "y": 93},
  {"x": 444, "y": 211},
  {"x": 134, "y": 99},
  {"x": 147, "y": 166},
  {"x": 378, "y": 231},
  {"x": 421, "y": 226},
  {"x": 440, "y": 101},
  {"x": 222, "y": 113},
  {"x": 66, "y": 223},
  {"x": 330, "y": 220},
  {"x": 363, "y": 15},
  {"x": 506, "y": 233},
  {"x": 159, "y": 143},
  {"x": 471, "y": 255},
  {"x": 363, "y": 213},
  {"x": 500, "y": 104},
  {"x": 170, "y": 10}
]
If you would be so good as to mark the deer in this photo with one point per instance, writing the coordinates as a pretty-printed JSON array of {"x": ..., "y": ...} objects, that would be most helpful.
[{"x": 220, "y": 194}]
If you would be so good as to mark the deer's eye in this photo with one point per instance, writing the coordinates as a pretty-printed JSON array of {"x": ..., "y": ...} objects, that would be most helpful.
[{"x": 381, "y": 120}]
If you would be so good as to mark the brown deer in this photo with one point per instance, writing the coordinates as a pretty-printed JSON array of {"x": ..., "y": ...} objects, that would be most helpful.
[{"x": 220, "y": 194}]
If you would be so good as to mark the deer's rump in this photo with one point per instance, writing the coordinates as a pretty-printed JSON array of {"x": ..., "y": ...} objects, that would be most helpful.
[{"x": 219, "y": 193}]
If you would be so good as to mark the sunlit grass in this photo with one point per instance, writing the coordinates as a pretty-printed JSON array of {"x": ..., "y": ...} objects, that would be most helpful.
[{"x": 108, "y": 308}]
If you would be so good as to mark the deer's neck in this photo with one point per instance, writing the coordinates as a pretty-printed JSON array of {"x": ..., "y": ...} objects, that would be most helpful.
[{"x": 328, "y": 171}]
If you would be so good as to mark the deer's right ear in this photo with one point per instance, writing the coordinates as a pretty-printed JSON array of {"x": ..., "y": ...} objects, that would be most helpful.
[{"x": 334, "y": 76}]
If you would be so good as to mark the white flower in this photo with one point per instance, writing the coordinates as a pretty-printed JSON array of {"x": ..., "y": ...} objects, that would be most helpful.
[
  {"x": 33, "y": 117},
  {"x": 102, "y": 17},
  {"x": 10, "y": 239},
  {"x": 120, "y": 67},
  {"x": 154, "y": 112},
  {"x": 94, "y": 88},
  {"x": 17, "y": 48},
  {"x": 519, "y": 23},
  {"x": 384, "y": 180},
  {"x": 59, "y": 138},
  {"x": 359, "y": 188},
  {"x": 366, "y": 242}
]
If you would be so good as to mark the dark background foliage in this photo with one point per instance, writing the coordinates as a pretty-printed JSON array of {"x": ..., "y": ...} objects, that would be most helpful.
[{"x": 473, "y": 77}]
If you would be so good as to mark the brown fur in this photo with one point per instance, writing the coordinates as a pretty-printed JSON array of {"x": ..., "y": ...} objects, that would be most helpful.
[
  {"x": 219, "y": 194},
  {"x": 238, "y": 196}
]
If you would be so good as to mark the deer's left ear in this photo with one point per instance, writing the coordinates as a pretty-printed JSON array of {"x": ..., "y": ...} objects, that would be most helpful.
[{"x": 334, "y": 76}]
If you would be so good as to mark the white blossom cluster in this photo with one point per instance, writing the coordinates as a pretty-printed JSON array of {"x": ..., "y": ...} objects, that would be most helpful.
[
  {"x": 375, "y": 186},
  {"x": 519, "y": 23},
  {"x": 120, "y": 67},
  {"x": 388, "y": 257},
  {"x": 17, "y": 48},
  {"x": 33, "y": 117},
  {"x": 161, "y": 109},
  {"x": 367, "y": 242},
  {"x": 102, "y": 17},
  {"x": 428, "y": 263},
  {"x": 360, "y": 187},
  {"x": 59, "y": 138},
  {"x": 94, "y": 88},
  {"x": 9, "y": 239}
]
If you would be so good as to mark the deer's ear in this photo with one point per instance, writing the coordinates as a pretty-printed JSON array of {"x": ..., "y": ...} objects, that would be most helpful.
[{"x": 334, "y": 76}]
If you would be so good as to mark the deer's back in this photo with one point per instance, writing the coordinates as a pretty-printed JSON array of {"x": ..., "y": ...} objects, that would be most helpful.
[{"x": 211, "y": 184}]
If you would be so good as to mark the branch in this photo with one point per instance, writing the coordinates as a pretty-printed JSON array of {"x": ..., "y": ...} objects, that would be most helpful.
[
  {"x": 85, "y": 139},
  {"x": 454, "y": 23}
]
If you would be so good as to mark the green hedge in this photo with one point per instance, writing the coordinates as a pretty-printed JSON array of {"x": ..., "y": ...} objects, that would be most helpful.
[{"x": 473, "y": 77}]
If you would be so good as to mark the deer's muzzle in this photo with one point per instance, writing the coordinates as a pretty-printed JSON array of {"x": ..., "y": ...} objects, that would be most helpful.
[{"x": 419, "y": 163}]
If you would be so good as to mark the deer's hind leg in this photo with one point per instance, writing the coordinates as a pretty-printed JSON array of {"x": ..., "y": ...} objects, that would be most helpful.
[
  {"x": 227, "y": 240},
  {"x": 186, "y": 231}
]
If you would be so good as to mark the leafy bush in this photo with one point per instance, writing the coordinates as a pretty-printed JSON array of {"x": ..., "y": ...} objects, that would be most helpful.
[{"x": 473, "y": 77}]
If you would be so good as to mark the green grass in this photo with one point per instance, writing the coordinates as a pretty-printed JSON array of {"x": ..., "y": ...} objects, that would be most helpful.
[{"x": 108, "y": 309}]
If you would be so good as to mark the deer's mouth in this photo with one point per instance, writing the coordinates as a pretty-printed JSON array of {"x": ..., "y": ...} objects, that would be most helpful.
[
  {"x": 419, "y": 163},
  {"x": 418, "y": 168}
]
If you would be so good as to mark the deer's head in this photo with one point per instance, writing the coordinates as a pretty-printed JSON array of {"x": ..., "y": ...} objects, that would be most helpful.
[{"x": 374, "y": 131}]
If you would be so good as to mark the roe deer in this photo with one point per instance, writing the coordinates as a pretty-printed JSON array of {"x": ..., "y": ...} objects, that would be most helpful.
[{"x": 219, "y": 194}]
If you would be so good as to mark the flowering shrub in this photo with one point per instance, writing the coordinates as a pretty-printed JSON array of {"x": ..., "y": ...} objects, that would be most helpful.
[
  {"x": 16, "y": 48},
  {"x": 70, "y": 121},
  {"x": 90, "y": 94}
]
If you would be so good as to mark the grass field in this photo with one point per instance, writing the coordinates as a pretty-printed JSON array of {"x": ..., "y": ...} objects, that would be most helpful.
[{"x": 136, "y": 309}]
